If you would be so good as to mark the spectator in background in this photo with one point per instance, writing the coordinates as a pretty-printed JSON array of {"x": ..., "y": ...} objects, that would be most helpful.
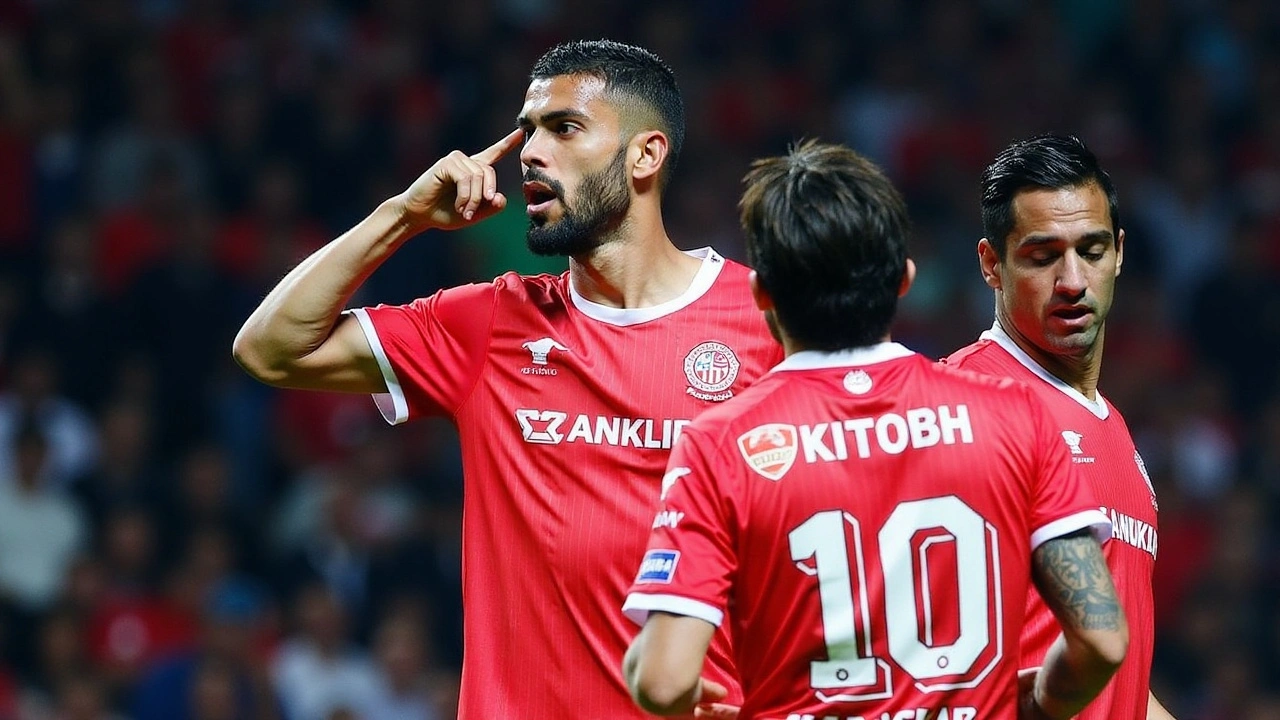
[
  {"x": 405, "y": 689},
  {"x": 34, "y": 395},
  {"x": 60, "y": 658},
  {"x": 70, "y": 312},
  {"x": 224, "y": 677},
  {"x": 41, "y": 530},
  {"x": 127, "y": 472},
  {"x": 318, "y": 669},
  {"x": 84, "y": 697}
]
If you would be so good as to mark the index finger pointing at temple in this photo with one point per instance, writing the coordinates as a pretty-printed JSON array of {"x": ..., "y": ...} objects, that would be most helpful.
[{"x": 496, "y": 151}]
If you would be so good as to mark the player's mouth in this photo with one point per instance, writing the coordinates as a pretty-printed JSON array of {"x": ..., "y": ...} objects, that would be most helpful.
[
  {"x": 1074, "y": 316},
  {"x": 538, "y": 197}
]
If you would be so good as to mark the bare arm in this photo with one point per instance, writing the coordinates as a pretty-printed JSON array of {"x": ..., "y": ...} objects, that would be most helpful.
[
  {"x": 663, "y": 666},
  {"x": 297, "y": 337},
  {"x": 1074, "y": 581},
  {"x": 1156, "y": 711}
]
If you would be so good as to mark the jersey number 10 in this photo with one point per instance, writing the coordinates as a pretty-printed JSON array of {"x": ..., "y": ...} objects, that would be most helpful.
[{"x": 852, "y": 671}]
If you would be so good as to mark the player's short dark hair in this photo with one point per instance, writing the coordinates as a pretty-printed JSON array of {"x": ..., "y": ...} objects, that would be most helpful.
[
  {"x": 1050, "y": 162},
  {"x": 631, "y": 74},
  {"x": 827, "y": 235}
]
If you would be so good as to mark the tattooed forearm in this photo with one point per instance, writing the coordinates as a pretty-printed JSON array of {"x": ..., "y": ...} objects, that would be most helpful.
[{"x": 1072, "y": 571}]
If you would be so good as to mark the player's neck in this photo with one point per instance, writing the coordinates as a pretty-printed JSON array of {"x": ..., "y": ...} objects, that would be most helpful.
[
  {"x": 1080, "y": 372},
  {"x": 637, "y": 267}
]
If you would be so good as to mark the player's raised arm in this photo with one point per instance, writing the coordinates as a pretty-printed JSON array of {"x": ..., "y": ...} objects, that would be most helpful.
[
  {"x": 1073, "y": 579},
  {"x": 297, "y": 337}
]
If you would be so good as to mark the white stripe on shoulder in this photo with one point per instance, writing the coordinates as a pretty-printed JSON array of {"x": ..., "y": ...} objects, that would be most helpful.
[
  {"x": 1097, "y": 522},
  {"x": 639, "y": 605},
  {"x": 392, "y": 404}
]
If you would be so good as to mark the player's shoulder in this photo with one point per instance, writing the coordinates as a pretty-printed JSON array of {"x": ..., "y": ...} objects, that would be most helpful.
[
  {"x": 731, "y": 274},
  {"x": 982, "y": 356},
  {"x": 539, "y": 289},
  {"x": 973, "y": 375}
]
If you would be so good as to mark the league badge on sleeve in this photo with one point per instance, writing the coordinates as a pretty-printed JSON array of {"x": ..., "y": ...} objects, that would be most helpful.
[{"x": 658, "y": 566}]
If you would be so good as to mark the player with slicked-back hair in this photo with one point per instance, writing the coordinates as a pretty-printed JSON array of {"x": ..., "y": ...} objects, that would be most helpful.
[
  {"x": 568, "y": 392},
  {"x": 1052, "y": 251},
  {"x": 640, "y": 84}
]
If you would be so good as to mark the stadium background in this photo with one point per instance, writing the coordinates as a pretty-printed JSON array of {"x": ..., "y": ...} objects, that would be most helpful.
[{"x": 177, "y": 541}]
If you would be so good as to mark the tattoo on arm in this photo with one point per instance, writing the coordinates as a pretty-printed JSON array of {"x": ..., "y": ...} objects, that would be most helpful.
[{"x": 1072, "y": 575}]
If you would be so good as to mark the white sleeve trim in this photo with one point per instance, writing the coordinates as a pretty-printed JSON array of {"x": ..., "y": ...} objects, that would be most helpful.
[
  {"x": 392, "y": 404},
  {"x": 639, "y": 605},
  {"x": 1095, "y": 520}
]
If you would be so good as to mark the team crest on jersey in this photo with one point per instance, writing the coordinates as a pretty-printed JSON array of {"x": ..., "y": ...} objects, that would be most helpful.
[
  {"x": 857, "y": 382},
  {"x": 1142, "y": 468},
  {"x": 711, "y": 368},
  {"x": 770, "y": 450}
]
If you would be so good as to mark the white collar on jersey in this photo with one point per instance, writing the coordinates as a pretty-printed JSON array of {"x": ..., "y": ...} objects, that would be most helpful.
[
  {"x": 712, "y": 264},
  {"x": 818, "y": 360},
  {"x": 997, "y": 335}
]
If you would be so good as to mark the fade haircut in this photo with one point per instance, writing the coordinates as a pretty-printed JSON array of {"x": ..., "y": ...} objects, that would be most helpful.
[
  {"x": 643, "y": 86},
  {"x": 1044, "y": 162},
  {"x": 827, "y": 235}
]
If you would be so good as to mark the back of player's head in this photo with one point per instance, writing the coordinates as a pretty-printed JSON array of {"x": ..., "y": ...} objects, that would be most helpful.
[
  {"x": 642, "y": 86},
  {"x": 1044, "y": 162},
  {"x": 827, "y": 235}
]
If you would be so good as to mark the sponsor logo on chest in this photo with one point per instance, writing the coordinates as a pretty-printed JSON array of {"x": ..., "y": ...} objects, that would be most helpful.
[{"x": 553, "y": 427}]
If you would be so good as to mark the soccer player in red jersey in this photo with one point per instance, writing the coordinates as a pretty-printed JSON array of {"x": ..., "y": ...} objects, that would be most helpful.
[
  {"x": 866, "y": 521},
  {"x": 568, "y": 392},
  {"x": 1052, "y": 251}
]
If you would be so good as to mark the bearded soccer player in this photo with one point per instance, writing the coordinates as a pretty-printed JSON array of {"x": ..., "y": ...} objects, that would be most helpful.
[
  {"x": 1052, "y": 252},
  {"x": 568, "y": 392},
  {"x": 865, "y": 520}
]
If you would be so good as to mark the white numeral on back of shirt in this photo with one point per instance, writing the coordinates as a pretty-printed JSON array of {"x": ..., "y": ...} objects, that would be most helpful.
[{"x": 908, "y": 611}]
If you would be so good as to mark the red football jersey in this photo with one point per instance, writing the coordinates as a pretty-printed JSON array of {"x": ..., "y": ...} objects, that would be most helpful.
[
  {"x": 1102, "y": 449},
  {"x": 566, "y": 412},
  {"x": 866, "y": 519}
]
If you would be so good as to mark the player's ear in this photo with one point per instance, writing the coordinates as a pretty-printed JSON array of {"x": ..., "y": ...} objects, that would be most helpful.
[
  {"x": 764, "y": 302},
  {"x": 647, "y": 154},
  {"x": 1119, "y": 250},
  {"x": 989, "y": 263},
  {"x": 908, "y": 277}
]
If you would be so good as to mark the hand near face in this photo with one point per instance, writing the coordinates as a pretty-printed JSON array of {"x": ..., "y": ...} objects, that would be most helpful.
[{"x": 459, "y": 189}]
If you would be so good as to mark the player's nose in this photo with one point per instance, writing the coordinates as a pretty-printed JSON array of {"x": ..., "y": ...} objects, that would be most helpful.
[
  {"x": 534, "y": 152},
  {"x": 1072, "y": 277}
]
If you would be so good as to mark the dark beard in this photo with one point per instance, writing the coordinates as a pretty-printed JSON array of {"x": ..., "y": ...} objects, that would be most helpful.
[{"x": 603, "y": 199}]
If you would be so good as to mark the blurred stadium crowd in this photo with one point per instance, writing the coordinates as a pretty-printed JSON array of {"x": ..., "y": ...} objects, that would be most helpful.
[{"x": 177, "y": 541}]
